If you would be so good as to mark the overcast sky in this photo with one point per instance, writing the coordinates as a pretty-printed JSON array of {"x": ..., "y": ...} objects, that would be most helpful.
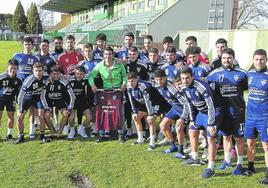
[{"x": 8, "y": 6}]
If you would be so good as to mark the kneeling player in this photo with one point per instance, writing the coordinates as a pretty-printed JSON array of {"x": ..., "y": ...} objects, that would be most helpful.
[
  {"x": 203, "y": 114},
  {"x": 145, "y": 101},
  {"x": 58, "y": 93},
  {"x": 178, "y": 112},
  {"x": 30, "y": 96},
  {"x": 9, "y": 88},
  {"x": 79, "y": 84}
]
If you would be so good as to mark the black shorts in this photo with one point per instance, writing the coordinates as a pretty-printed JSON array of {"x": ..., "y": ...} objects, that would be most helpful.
[
  {"x": 57, "y": 104},
  {"x": 157, "y": 109},
  {"x": 81, "y": 104},
  {"x": 27, "y": 103},
  {"x": 8, "y": 103}
]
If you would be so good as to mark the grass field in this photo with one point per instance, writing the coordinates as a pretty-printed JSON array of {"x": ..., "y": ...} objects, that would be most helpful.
[{"x": 108, "y": 164}]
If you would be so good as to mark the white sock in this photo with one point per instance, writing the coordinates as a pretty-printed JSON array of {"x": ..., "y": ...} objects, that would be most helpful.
[
  {"x": 72, "y": 129},
  {"x": 56, "y": 118},
  {"x": 195, "y": 155},
  {"x": 227, "y": 157},
  {"x": 152, "y": 138},
  {"x": 36, "y": 120},
  {"x": 240, "y": 159},
  {"x": 140, "y": 137},
  {"x": 211, "y": 164},
  {"x": 32, "y": 129},
  {"x": 10, "y": 131}
]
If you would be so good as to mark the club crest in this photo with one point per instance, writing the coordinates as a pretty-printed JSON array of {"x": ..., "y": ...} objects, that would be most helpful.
[
  {"x": 236, "y": 77},
  {"x": 263, "y": 82}
]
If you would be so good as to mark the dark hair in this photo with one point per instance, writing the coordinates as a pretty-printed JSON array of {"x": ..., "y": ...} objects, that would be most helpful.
[
  {"x": 13, "y": 62},
  {"x": 229, "y": 51},
  {"x": 129, "y": 34},
  {"x": 70, "y": 37},
  {"x": 132, "y": 75},
  {"x": 177, "y": 78},
  {"x": 159, "y": 73},
  {"x": 167, "y": 39},
  {"x": 81, "y": 68},
  {"x": 149, "y": 37},
  {"x": 194, "y": 50},
  {"x": 260, "y": 52},
  {"x": 55, "y": 68},
  {"x": 171, "y": 49},
  {"x": 221, "y": 41},
  {"x": 154, "y": 51},
  {"x": 110, "y": 49},
  {"x": 58, "y": 38},
  {"x": 88, "y": 45},
  {"x": 193, "y": 38},
  {"x": 45, "y": 41},
  {"x": 133, "y": 49},
  {"x": 101, "y": 36},
  {"x": 28, "y": 39},
  {"x": 37, "y": 65},
  {"x": 186, "y": 70}
]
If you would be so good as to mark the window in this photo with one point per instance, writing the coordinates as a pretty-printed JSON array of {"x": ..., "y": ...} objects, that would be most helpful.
[
  {"x": 161, "y": 2},
  {"x": 141, "y": 5},
  {"x": 151, "y": 3}
]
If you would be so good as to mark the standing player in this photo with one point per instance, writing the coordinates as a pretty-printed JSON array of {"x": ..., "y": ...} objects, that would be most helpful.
[
  {"x": 101, "y": 44},
  {"x": 154, "y": 63},
  {"x": 257, "y": 111},
  {"x": 9, "y": 87},
  {"x": 122, "y": 54},
  {"x": 203, "y": 114},
  {"x": 148, "y": 43},
  {"x": 58, "y": 42},
  {"x": 30, "y": 96},
  {"x": 232, "y": 82}
]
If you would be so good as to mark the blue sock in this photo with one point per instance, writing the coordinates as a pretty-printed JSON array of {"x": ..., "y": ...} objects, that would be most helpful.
[
  {"x": 180, "y": 149},
  {"x": 172, "y": 146}
]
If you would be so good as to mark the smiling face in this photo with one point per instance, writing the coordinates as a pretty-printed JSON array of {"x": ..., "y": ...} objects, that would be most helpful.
[
  {"x": 227, "y": 60},
  {"x": 12, "y": 70},
  {"x": 259, "y": 62},
  {"x": 160, "y": 81}
]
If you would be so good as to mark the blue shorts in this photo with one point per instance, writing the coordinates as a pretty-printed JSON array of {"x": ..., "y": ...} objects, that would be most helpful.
[
  {"x": 233, "y": 125},
  {"x": 27, "y": 103},
  {"x": 173, "y": 114},
  {"x": 8, "y": 103},
  {"x": 201, "y": 122},
  {"x": 256, "y": 126}
]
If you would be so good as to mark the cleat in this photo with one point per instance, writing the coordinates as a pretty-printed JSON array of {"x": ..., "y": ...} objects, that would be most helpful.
[
  {"x": 264, "y": 181},
  {"x": 65, "y": 130},
  {"x": 167, "y": 151},
  {"x": 207, "y": 173},
  {"x": 224, "y": 165},
  {"x": 71, "y": 134},
  {"x": 205, "y": 154},
  {"x": 121, "y": 139},
  {"x": 187, "y": 149},
  {"x": 163, "y": 142},
  {"x": 81, "y": 131},
  {"x": 107, "y": 135},
  {"x": 238, "y": 170},
  {"x": 151, "y": 148},
  {"x": 19, "y": 140},
  {"x": 181, "y": 156},
  {"x": 191, "y": 162},
  {"x": 136, "y": 142},
  {"x": 32, "y": 136},
  {"x": 9, "y": 137},
  {"x": 100, "y": 139},
  {"x": 248, "y": 172}
]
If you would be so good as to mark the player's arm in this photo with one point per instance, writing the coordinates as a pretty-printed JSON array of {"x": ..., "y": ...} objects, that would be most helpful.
[
  {"x": 147, "y": 101},
  {"x": 44, "y": 100},
  {"x": 93, "y": 74},
  {"x": 210, "y": 104},
  {"x": 72, "y": 97},
  {"x": 132, "y": 102}
]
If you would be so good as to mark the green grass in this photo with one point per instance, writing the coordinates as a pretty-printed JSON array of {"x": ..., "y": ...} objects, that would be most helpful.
[{"x": 108, "y": 164}]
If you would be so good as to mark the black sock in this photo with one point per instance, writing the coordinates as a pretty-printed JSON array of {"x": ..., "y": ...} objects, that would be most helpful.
[
  {"x": 251, "y": 166},
  {"x": 266, "y": 172}
]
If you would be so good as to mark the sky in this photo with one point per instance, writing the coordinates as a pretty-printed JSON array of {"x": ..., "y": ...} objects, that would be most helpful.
[{"x": 8, "y": 6}]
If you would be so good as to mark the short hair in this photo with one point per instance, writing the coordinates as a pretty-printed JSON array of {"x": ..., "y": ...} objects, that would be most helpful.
[
  {"x": 194, "y": 50},
  {"x": 28, "y": 39},
  {"x": 171, "y": 49},
  {"x": 45, "y": 41},
  {"x": 260, "y": 52},
  {"x": 58, "y": 38},
  {"x": 221, "y": 41},
  {"x": 13, "y": 62},
  {"x": 55, "y": 68},
  {"x": 101, "y": 36},
  {"x": 167, "y": 39},
  {"x": 150, "y": 37},
  {"x": 129, "y": 34},
  {"x": 70, "y": 37},
  {"x": 110, "y": 49},
  {"x": 88, "y": 45},
  {"x": 177, "y": 78},
  {"x": 37, "y": 65},
  {"x": 132, "y": 75},
  {"x": 159, "y": 73},
  {"x": 153, "y": 51},
  {"x": 186, "y": 70},
  {"x": 81, "y": 68},
  {"x": 193, "y": 38},
  {"x": 229, "y": 51},
  {"x": 133, "y": 49}
]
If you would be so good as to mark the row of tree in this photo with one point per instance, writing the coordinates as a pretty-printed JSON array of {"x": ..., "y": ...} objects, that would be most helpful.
[{"x": 27, "y": 24}]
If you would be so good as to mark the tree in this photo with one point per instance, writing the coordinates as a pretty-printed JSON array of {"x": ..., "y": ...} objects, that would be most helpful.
[
  {"x": 19, "y": 20},
  {"x": 34, "y": 25},
  {"x": 251, "y": 13}
]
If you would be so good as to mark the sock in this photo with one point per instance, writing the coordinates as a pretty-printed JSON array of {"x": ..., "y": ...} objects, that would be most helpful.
[
  {"x": 180, "y": 149},
  {"x": 72, "y": 129},
  {"x": 266, "y": 172},
  {"x": 42, "y": 136},
  {"x": 211, "y": 164},
  {"x": 227, "y": 157},
  {"x": 172, "y": 146},
  {"x": 21, "y": 134},
  {"x": 143, "y": 134},
  {"x": 240, "y": 159},
  {"x": 129, "y": 131},
  {"x": 152, "y": 138},
  {"x": 140, "y": 136},
  {"x": 251, "y": 166},
  {"x": 56, "y": 118},
  {"x": 10, "y": 131},
  {"x": 195, "y": 155}
]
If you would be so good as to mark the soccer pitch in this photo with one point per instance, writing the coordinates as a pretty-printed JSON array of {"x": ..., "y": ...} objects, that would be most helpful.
[{"x": 107, "y": 164}]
